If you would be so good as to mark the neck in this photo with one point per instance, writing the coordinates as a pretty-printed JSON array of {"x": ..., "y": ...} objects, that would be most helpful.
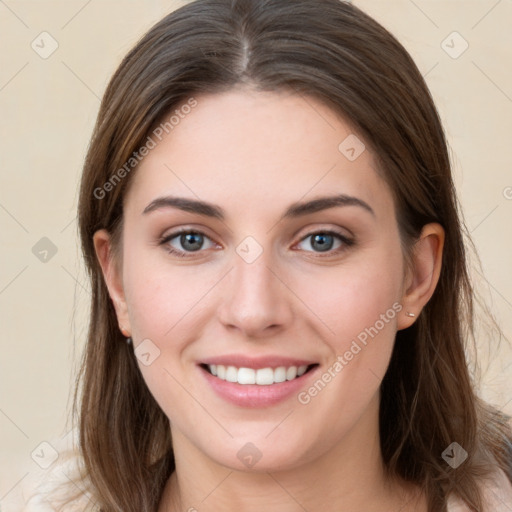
[{"x": 349, "y": 476}]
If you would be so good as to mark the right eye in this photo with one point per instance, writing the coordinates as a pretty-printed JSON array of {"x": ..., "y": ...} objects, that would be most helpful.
[{"x": 191, "y": 241}]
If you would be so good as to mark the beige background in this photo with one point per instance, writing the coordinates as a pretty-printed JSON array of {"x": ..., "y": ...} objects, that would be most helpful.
[{"x": 48, "y": 107}]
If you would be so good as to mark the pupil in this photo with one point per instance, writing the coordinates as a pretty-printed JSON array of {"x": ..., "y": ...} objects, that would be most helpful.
[
  {"x": 323, "y": 245},
  {"x": 191, "y": 238}
]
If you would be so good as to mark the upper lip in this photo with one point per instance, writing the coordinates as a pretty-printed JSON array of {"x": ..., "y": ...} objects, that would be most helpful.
[{"x": 244, "y": 361}]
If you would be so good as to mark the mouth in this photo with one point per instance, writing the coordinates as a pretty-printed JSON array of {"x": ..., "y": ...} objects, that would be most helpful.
[
  {"x": 256, "y": 382},
  {"x": 265, "y": 376}
]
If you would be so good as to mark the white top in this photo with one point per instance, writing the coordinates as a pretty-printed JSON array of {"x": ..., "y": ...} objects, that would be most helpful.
[{"x": 41, "y": 483}]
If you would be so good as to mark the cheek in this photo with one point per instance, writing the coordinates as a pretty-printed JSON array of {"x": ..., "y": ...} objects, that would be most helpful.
[
  {"x": 357, "y": 297},
  {"x": 166, "y": 307},
  {"x": 360, "y": 305},
  {"x": 163, "y": 306},
  {"x": 162, "y": 299}
]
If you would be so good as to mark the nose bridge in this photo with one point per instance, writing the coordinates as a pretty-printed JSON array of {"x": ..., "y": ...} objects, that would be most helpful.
[{"x": 256, "y": 299}]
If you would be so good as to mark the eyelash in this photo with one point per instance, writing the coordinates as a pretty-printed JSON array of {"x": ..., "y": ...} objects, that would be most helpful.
[{"x": 347, "y": 242}]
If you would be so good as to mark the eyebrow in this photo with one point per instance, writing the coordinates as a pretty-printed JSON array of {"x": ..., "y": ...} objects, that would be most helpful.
[{"x": 295, "y": 210}]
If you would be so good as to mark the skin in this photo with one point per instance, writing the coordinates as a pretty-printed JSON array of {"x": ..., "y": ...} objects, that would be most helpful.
[{"x": 253, "y": 154}]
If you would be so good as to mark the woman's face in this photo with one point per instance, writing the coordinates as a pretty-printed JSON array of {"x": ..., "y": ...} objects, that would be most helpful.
[{"x": 295, "y": 263}]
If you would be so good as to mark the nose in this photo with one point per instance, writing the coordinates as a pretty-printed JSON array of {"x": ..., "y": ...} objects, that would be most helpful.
[{"x": 256, "y": 300}]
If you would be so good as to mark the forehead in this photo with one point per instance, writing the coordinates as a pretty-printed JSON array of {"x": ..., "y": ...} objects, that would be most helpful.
[{"x": 257, "y": 150}]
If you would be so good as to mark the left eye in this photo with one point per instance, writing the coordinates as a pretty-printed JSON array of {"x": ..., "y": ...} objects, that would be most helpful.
[{"x": 323, "y": 241}]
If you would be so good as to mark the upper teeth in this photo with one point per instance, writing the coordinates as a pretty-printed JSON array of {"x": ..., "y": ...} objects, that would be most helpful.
[{"x": 262, "y": 376}]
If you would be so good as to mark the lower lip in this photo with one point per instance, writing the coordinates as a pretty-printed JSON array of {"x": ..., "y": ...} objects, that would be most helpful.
[{"x": 254, "y": 395}]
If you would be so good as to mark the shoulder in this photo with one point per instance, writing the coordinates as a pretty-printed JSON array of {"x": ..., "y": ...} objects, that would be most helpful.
[
  {"x": 61, "y": 487},
  {"x": 497, "y": 495}
]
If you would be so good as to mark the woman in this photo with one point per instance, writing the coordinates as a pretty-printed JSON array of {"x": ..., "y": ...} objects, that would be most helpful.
[{"x": 280, "y": 292}]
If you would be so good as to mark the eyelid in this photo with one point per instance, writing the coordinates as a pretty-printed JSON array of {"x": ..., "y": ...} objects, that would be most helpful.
[{"x": 324, "y": 228}]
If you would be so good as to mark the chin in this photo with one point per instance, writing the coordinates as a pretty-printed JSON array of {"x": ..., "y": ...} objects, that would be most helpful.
[{"x": 262, "y": 454}]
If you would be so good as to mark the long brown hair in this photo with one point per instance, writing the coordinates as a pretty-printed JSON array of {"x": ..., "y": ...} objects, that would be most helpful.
[{"x": 332, "y": 51}]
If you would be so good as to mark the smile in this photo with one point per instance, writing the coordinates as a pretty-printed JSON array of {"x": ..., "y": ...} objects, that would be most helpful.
[
  {"x": 260, "y": 376},
  {"x": 256, "y": 382}
]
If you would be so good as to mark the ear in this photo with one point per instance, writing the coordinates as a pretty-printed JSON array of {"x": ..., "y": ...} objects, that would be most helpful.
[
  {"x": 113, "y": 278},
  {"x": 423, "y": 274}
]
